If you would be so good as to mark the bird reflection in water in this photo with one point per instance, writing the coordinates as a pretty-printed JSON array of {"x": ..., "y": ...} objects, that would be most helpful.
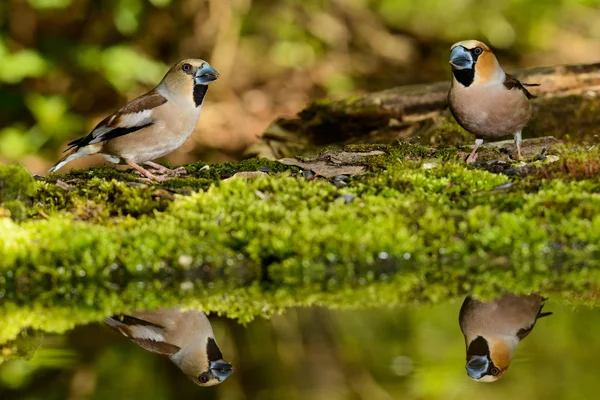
[
  {"x": 186, "y": 337},
  {"x": 492, "y": 331}
]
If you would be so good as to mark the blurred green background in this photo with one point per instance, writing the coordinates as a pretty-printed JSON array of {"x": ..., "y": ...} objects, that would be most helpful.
[
  {"x": 378, "y": 354},
  {"x": 66, "y": 64}
]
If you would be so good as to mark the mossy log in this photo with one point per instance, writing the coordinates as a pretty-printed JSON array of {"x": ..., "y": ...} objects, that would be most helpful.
[
  {"x": 567, "y": 105},
  {"x": 371, "y": 225}
]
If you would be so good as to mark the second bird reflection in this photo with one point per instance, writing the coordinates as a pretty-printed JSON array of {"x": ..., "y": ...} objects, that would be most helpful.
[
  {"x": 186, "y": 337},
  {"x": 492, "y": 331}
]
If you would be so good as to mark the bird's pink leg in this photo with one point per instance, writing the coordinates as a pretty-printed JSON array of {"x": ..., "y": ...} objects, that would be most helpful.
[
  {"x": 165, "y": 170},
  {"x": 518, "y": 141},
  {"x": 147, "y": 173},
  {"x": 473, "y": 156}
]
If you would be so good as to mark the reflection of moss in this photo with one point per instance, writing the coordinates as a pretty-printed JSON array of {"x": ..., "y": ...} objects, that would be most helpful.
[
  {"x": 23, "y": 346},
  {"x": 243, "y": 294},
  {"x": 421, "y": 226}
]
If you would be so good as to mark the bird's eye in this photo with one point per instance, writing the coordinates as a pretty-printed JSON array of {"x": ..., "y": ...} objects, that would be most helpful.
[
  {"x": 477, "y": 51},
  {"x": 203, "y": 378},
  {"x": 495, "y": 371},
  {"x": 186, "y": 67}
]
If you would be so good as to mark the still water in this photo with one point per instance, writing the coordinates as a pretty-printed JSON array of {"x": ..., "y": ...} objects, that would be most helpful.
[{"x": 414, "y": 352}]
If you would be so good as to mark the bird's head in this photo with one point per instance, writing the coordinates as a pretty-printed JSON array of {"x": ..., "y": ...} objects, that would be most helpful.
[
  {"x": 473, "y": 61},
  {"x": 488, "y": 360},
  {"x": 190, "y": 78},
  {"x": 205, "y": 366},
  {"x": 195, "y": 71}
]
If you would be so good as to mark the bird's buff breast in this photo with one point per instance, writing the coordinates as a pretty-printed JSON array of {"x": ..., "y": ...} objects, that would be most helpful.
[
  {"x": 490, "y": 112},
  {"x": 155, "y": 141}
]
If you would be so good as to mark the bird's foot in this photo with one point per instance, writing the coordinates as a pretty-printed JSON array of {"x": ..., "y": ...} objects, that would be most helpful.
[
  {"x": 146, "y": 175},
  {"x": 472, "y": 158},
  {"x": 180, "y": 171},
  {"x": 157, "y": 168},
  {"x": 169, "y": 172},
  {"x": 519, "y": 156},
  {"x": 154, "y": 179}
]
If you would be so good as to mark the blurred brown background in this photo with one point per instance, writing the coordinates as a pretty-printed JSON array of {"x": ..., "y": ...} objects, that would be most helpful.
[{"x": 66, "y": 64}]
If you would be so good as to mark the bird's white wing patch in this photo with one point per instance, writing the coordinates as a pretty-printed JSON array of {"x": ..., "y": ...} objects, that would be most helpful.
[
  {"x": 132, "y": 120},
  {"x": 120, "y": 124},
  {"x": 147, "y": 332},
  {"x": 99, "y": 133}
]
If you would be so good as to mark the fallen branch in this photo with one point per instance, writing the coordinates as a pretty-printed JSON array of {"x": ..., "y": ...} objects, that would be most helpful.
[{"x": 566, "y": 106}]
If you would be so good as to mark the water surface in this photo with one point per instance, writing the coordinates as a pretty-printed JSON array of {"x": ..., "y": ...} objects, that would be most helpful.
[{"x": 412, "y": 352}]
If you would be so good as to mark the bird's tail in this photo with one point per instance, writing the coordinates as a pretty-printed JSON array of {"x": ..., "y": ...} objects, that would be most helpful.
[
  {"x": 76, "y": 153},
  {"x": 541, "y": 314}
]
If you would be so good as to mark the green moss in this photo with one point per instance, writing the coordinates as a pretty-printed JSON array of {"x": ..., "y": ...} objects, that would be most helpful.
[
  {"x": 97, "y": 199},
  {"x": 228, "y": 169},
  {"x": 16, "y": 183},
  {"x": 421, "y": 226},
  {"x": 103, "y": 172},
  {"x": 366, "y": 147},
  {"x": 186, "y": 185},
  {"x": 405, "y": 149},
  {"x": 574, "y": 163},
  {"x": 447, "y": 133},
  {"x": 378, "y": 163},
  {"x": 17, "y": 187},
  {"x": 103, "y": 193}
]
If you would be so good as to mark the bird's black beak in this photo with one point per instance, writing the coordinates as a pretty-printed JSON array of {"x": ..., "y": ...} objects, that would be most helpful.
[
  {"x": 205, "y": 75},
  {"x": 221, "y": 369},
  {"x": 477, "y": 366},
  {"x": 461, "y": 58}
]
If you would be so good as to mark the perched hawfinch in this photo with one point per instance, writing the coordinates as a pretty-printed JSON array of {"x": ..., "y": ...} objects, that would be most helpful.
[
  {"x": 186, "y": 337},
  {"x": 152, "y": 125},
  {"x": 485, "y": 100},
  {"x": 493, "y": 329}
]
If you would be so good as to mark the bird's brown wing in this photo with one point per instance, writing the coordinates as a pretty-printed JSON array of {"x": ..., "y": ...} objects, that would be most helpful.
[
  {"x": 163, "y": 348},
  {"x": 510, "y": 82},
  {"x": 464, "y": 310},
  {"x": 146, "y": 334},
  {"x": 134, "y": 116}
]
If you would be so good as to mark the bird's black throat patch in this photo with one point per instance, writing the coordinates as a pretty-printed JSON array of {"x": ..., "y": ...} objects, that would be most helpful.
[
  {"x": 199, "y": 94},
  {"x": 212, "y": 350},
  {"x": 478, "y": 347},
  {"x": 464, "y": 76}
]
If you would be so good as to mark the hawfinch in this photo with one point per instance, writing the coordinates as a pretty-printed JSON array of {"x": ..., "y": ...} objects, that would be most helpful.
[
  {"x": 186, "y": 337},
  {"x": 493, "y": 329},
  {"x": 152, "y": 125},
  {"x": 485, "y": 100}
]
